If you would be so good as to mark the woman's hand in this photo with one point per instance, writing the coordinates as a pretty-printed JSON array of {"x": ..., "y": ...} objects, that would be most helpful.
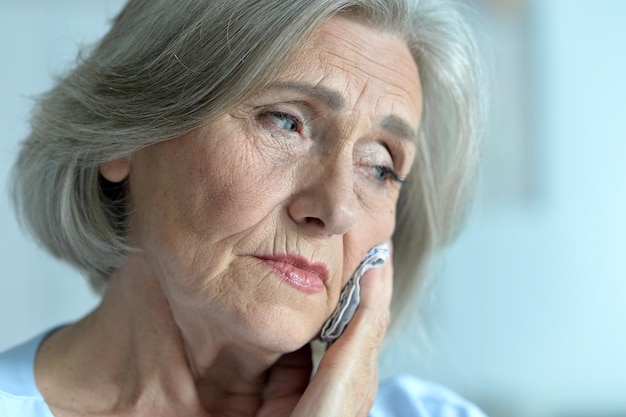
[{"x": 346, "y": 380}]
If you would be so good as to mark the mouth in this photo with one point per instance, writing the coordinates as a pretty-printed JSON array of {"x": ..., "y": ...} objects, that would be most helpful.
[{"x": 298, "y": 272}]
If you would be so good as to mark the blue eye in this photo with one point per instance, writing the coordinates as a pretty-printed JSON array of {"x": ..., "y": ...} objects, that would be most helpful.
[
  {"x": 384, "y": 173},
  {"x": 284, "y": 121}
]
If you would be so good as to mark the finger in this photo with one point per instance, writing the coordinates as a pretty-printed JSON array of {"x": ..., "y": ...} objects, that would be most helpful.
[
  {"x": 347, "y": 377},
  {"x": 377, "y": 288},
  {"x": 372, "y": 389},
  {"x": 376, "y": 293},
  {"x": 371, "y": 320}
]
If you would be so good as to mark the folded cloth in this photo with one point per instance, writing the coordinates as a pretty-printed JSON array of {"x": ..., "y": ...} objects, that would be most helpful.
[{"x": 351, "y": 294}]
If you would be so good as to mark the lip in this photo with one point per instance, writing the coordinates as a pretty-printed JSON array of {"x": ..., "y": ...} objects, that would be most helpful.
[{"x": 298, "y": 272}]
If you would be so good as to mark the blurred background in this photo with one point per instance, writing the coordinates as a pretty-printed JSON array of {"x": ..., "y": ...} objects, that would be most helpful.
[{"x": 526, "y": 314}]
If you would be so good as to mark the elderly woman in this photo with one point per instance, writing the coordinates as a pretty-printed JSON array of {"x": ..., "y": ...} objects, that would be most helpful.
[{"x": 218, "y": 169}]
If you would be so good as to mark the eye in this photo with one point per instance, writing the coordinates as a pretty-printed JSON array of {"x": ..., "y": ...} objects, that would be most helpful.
[
  {"x": 385, "y": 173},
  {"x": 284, "y": 121}
]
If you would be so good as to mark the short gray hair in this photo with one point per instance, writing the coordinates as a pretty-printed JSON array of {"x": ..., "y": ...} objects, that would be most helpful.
[{"x": 165, "y": 68}]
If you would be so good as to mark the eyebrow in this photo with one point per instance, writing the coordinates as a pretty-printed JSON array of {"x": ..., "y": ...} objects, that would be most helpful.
[
  {"x": 398, "y": 127},
  {"x": 330, "y": 98},
  {"x": 393, "y": 124}
]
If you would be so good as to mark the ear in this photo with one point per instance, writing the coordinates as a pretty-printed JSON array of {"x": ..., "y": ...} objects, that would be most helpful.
[{"x": 116, "y": 170}]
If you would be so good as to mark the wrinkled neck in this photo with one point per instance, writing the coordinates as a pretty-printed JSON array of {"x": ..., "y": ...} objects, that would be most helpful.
[{"x": 130, "y": 354}]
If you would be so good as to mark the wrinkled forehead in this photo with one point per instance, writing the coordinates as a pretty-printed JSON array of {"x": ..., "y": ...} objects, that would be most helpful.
[{"x": 368, "y": 70}]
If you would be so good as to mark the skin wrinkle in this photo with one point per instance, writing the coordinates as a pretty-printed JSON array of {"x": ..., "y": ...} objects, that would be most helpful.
[
  {"x": 405, "y": 132},
  {"x": 333, "y": 99},
  {"x": 358, "y": 51},
  {"x": 330, "y": 98},
  {"x": 324, "y": 78},
  {"x": 347, "y": 127},
  {"x": 212, "y": 201}
]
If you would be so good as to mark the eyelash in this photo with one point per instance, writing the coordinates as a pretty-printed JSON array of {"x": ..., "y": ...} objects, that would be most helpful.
[
  {"x": 285, "y": 117},
  {"x": 385, "y": 173}
]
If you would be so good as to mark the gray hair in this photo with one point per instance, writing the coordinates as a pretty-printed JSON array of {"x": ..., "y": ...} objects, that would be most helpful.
[{"x": 165, "y": 68}]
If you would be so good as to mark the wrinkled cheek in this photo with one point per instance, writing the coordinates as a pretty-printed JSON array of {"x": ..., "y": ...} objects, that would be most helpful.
[{"x": 233, "y": 202}]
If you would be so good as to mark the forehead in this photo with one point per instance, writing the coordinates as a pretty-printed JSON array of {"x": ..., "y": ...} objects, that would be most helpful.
[{"x": 367, "y": 69}]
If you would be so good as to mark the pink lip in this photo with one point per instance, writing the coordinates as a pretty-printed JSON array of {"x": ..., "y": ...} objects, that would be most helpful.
[{"x": 298, "y": 272}]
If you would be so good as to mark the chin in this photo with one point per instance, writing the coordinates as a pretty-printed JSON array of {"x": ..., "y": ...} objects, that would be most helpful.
[
  {"x": 284, "y": 336},
  {"x": 287, "y": 344}
]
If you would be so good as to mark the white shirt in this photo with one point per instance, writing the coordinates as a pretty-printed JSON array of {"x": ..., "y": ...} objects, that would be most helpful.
[
  {"x": 19, "y": 396},
  {"x": 404, "y": 396}
]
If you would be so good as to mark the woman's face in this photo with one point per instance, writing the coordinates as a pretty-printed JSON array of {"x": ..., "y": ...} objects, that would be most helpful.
[{"x": 253, "y": 223}]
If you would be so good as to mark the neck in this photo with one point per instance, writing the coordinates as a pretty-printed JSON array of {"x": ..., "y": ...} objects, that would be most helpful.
[{"x": 130, "y": 353}]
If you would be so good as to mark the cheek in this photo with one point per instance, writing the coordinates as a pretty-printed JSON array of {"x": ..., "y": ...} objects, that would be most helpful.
[
  {"x": 199, "y": 191},
  {"x": 227, "y": 196},
  {"x": 369, "y": 232},
  {"x": 235, "y": 193}
]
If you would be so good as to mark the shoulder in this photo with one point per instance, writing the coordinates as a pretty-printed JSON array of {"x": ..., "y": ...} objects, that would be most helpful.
[
  {"x": 407, "y": 396},
  {"x": 19, "y": 395}
]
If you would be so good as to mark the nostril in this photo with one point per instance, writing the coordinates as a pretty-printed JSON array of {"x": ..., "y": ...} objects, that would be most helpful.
[{"x": 314, "y": 221}]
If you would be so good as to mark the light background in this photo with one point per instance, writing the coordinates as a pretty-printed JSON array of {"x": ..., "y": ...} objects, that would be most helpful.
[{"x": 527, "y": 316}]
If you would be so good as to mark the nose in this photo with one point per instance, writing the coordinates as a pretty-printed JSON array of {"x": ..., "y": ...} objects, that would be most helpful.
[{"x": 327, "y": 203}]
